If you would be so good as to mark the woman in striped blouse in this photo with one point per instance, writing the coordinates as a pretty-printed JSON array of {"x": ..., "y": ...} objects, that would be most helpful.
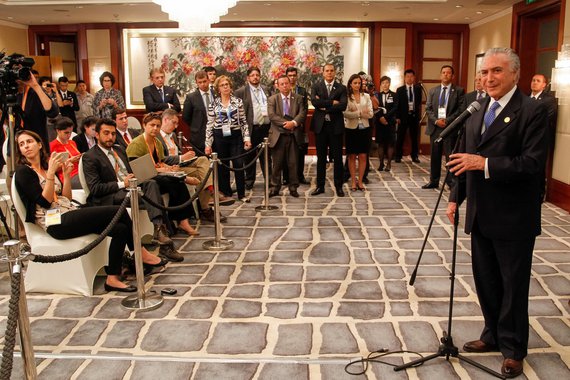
[{"x": 227, "y": 134}]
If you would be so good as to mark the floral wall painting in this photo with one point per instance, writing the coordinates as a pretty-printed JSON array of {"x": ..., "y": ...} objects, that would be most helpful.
[{"x": 233, "y": 51}]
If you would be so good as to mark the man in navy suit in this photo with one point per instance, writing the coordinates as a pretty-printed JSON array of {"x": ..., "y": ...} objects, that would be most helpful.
[
  {"x": 124, "y": 134},
  {"x": 444, "y": 103},
  {"x": 408, "y": 116},
  {"x": 478, "y": 94},
  {"x": 157, "y": 96},
  {"x": 195, "y": 112},
  {"x": 329, "y": 98},
  {"x": 503, "y": 155}
]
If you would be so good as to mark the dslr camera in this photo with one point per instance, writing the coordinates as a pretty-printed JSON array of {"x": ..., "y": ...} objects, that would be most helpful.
[{"x": 12, "y": 68}]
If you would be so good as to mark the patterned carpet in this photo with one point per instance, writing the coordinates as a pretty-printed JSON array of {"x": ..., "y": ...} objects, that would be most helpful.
[{"x": 306, "y": 289}]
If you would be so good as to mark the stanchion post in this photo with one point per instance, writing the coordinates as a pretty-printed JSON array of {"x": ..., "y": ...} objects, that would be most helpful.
[
  {"x": 219, "y": 243},
  {"x": 180, "y": 138},
  {"x": 140, "y": 301},
  {"x": 12, "y": 167},
  {"x": 12, "y": 248},
  {"x": 266, "y": 206}
]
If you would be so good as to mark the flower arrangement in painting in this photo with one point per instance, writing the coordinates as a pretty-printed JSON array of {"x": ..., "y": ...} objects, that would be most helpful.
[{"x": 232, "y": 56}]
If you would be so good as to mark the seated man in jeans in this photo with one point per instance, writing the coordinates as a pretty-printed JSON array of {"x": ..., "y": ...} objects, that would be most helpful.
[
  {"x": 197, "y": 169},
  {"x": 107, "y": 181}
]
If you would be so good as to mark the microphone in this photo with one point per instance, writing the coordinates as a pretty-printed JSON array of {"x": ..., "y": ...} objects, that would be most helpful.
[{"x": 458, "y": 122}]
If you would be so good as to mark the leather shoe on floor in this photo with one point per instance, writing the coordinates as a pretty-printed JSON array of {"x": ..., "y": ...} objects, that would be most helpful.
[
  {"x": 416, "y": 160},
  {"x": 208, "y": 216},
  {"x": 249, "y": 186},
  {"x": 430, "y": 185},
  {"x": 339, "y": 192},
  {"x": 512, "y": 368},
  {"x": 294, "y": 193},
  {"x": 128, "y": 289},
  {"x": 170, "y": 253},
  {"x": 478, "y": 346},
  {"x": 317, "y": 191},
  {"x": 273, "y": 193}
]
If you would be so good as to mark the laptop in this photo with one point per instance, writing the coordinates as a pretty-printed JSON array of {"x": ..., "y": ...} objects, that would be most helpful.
[{"x": 143, "y": 169}]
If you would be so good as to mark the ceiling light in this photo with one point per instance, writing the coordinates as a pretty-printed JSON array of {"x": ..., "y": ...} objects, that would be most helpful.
[
  {"x": 192, "y": 15},
  {"x": 459, "y": 6},
  {"x": 436, "y": 19},
  {"x": 479, "y": 12}
]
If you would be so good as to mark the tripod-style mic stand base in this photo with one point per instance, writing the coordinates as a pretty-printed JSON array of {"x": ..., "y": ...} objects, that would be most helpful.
[{"x": 447, "y": 349}]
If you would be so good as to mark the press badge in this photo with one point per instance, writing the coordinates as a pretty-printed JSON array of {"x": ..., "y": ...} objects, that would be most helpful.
[
  {"x": 389, "y": 100},
  {"x": 53, "y": 217},
  {"x": 264, "y": 111},
  {"x": 226, "y": 130},
  {"x": 327, "y": 117},
  {"x": 360, "y": 125},
  {"x": 410, "y": 106},
  {"x": 441, "y": 113}
]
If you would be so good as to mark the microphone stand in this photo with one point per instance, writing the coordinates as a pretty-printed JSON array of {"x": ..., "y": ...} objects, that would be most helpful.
[{"x": 447, "y": 348}]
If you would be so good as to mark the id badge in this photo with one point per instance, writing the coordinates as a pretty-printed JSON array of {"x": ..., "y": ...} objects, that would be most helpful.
[
  {"x": 53, "y": 217},
  {"x": 226, "y": 130},
  {"x": 264, "y": 111},
  {"x": 410, "y": 106},
  {"x": 327, "y": 117},
  {"x": 441, "y": 113},
  {"x": 361, "y": 126}
]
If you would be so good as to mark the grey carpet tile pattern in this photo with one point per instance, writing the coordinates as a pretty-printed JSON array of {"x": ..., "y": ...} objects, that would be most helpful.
[{"x": 306, "y": 289}]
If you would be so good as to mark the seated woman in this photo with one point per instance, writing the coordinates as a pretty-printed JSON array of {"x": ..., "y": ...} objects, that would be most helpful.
[
  {"x": 177, "y": 191},
  {"x": 48, "y": 205},
  {"x": 86, "y": 139},
  {"x": 64, "y": 143}
]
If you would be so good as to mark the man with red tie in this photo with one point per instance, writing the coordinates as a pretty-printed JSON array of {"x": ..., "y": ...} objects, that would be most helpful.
[{"x": 124, "y": 134}]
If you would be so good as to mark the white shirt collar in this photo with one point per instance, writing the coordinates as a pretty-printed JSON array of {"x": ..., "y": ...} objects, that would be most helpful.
[
  {"x": 537, "y": 95},
  {"x": 502, "y": 101}
]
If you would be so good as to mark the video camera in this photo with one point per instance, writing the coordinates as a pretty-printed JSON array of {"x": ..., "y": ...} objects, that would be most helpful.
[{"x": 12, "y": 68}]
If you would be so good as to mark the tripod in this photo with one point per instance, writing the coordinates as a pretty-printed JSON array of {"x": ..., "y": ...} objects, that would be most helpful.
[{"x": 447, "y": 348}]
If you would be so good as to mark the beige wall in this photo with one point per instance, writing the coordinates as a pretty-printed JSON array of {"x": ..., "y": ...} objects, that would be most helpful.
[
  {"x": 495, "y": 31},
  {"x": 99, "y": 55},
  {"x": 561, "y": 162},
  {"x": 14, "y": 39}
]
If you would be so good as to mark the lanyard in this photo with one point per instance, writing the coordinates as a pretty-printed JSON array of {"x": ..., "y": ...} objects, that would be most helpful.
[
  {"x": 151, "y": 152},
  {"x": 258, "y": 89}
]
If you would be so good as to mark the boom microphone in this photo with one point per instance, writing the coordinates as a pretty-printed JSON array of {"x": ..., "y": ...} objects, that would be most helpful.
[{"x": 458, "y": 122}]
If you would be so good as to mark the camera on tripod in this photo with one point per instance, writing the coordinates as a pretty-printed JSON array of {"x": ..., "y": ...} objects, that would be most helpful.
[{"x": 13, "y": 68}]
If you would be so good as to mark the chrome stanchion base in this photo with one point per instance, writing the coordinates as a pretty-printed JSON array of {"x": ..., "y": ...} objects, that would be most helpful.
[
  {"x": 221, "y": 245},
  {"x": 266, "y": 208},
  {"x": 149, "y": 302}
]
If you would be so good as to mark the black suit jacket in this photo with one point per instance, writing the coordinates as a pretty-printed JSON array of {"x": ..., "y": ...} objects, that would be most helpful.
[
  {"x": 551, "y": 105},
  {"x": 389, "y": 109},
  {"x": 455, "y": 105},
  {"x": 244, "y": 93},
  {"x": 323, "y": 104},
  {"x": 100, "y": 175},
  {"x": 470, "y": 97},
  {"x": 121, "y": 141},
  {"x": 153, "y": 101},
  {"x": 81, "y": 142},
  {"x": 402, "y": 96},
  {"x": 507, "y": 205},
  {"x": 69, "y": 111},
  {"x": 196, "y": 116}
]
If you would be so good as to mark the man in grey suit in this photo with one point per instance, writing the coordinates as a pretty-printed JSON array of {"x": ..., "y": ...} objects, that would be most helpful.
[
  {"x": 478, "y": 94},
  {"x": 195, "y": 112},
  {"x": 444, "y": 103},
  {"x": 254, "y": 97},
  {"x": 287, "y": 114}
]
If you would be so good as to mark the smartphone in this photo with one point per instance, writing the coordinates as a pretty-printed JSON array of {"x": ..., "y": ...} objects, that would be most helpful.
[
  {"x": 63, "y": 155},
  {"x": 168, "y": 291}
]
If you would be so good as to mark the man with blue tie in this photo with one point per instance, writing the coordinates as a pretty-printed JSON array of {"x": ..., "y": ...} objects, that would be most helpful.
[
  {"x": 158, "y": 97},
  {"x": 444, "y": 103},
  {"x": 408, "y": 116},
  {"x": 287, "y": 113},
  {"x": 501, "y": 164},
  {"x": 478, "y": 94},
  {"x": 195, "y": 112}
]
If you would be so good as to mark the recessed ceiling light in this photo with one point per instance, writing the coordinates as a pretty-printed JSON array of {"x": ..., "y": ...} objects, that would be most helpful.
[
  {"x": 365, "y": 4},
  {"x": 459, "y": 6},
  {"x": 479, "y": 12},
  {"x": 436, "y": 19},
  {"x": 467, "y": 18},
  {"x": 78, "y": 6},
  {"x": 10, "y": 18}
]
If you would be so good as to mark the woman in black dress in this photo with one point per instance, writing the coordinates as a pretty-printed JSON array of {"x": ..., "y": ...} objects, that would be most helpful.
[{"x": 386, "y": 123}]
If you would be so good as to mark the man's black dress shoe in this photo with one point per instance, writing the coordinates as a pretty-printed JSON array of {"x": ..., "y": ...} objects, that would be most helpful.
[
  {"x": 478, "y": 346},
  {"x": 381, "y": 167},
  {"x": 273, "y": 193},
  {"x": 512, "y": 368},
  {"x": 430, "y": 185},
  {"x": 339, "y": 192},
  {"x": 249, "y": 186},
  {"x": 161, "y": 263},
  {"x": 416, "y": 160},
  {"x": 294, "y": 193},
  {"x": 128, "y": 289},
  {"x": 317, "y": 191}
]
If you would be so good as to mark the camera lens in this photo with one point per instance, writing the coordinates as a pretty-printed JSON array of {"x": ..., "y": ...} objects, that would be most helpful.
[{"x": 24, "y": 74}]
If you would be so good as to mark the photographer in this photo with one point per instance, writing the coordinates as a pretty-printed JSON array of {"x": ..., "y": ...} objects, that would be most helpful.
[{"x": 35, "y": 106}]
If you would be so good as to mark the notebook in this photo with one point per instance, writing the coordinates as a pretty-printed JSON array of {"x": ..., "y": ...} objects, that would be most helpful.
[{"x": 143, "y": 169}]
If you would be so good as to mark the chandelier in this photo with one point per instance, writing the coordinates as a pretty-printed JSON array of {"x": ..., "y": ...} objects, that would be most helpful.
[{"x": 195, "y": 15}]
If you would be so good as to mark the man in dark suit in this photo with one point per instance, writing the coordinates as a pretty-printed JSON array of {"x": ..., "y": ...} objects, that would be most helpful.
[
  {"x": 329, "y": 98},
  {"x": 302, "y": 140},
  {"x": 504, "y": 150},
  {"x": 69, "y": 100},
  {"x": 408, "y": 116},
  {"x": 254, "y": 97},
  {"x": 444, "y": 103},
  {"x": 287, "y": 113},
  {"x": 478, "y": 94},
  {"x": 157, "y": 96},
  {"x": 107, "y": 173},
  {"x": 124, "y": 134},
  {"x": 195, "y": 112}
]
